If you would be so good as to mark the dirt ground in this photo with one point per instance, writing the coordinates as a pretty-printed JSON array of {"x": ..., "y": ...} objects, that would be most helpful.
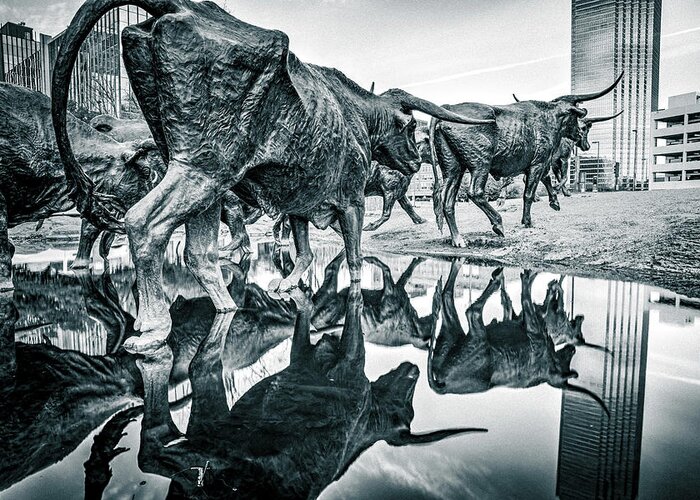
[{"x": 648, "y": 236}]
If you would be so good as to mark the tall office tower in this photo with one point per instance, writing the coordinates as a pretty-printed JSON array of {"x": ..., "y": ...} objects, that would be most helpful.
[{"x": 608, "y": 37}]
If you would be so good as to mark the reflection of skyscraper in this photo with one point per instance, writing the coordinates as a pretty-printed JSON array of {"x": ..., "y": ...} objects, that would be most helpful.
[
  {"x": 599, "y": 456},
  {"x": 608, "y": 37}
]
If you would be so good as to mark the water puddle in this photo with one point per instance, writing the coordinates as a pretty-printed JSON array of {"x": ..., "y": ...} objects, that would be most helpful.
[{"x": 587, "y": 388}]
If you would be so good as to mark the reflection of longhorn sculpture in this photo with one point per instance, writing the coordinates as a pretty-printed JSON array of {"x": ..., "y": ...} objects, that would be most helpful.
[
  {"x": 523, "y": 140},
  {"x": 229, "y": 106},
  {"x": 515, "y": 352},
  {"x": 293, "y": 433},
  {"x": 388, "y": 318}
]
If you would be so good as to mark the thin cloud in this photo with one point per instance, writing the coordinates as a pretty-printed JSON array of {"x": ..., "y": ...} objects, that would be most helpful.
[
  {"x": 682, "y": 32},
  {"x": 481, "y": 71}
]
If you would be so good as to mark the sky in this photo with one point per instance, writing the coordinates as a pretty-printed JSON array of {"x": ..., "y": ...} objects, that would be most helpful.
[{"x": 448, "y": 51}]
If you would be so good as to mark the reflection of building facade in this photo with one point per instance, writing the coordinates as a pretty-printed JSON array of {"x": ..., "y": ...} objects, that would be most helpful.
[
  {"x": 599, "y": 456},
  {"x": 23, "y": 57},
  {"x": 608, "y": 37},
  {"x": 676, "y": 147}
]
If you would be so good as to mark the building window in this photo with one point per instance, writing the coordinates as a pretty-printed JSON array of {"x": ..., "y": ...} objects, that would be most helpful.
[
  {"x": 692, "y": 175},
  {"x": 667, "y": 176}
]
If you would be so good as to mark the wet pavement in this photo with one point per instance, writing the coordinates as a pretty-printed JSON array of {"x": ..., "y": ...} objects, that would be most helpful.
[{"x": 435, "y": 379}]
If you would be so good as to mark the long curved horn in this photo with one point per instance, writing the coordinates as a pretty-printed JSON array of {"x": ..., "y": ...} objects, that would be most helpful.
[
  {"x": 516, "y": 99},
  {"x": 412, "y": 102},
  {"x": 598, "y": 119},
  {"x": 596, "y": 347},
  {"x": 407, "y": 437},
  {"x": 590, "y": 394},
  {"x": 574, "y": 98}
]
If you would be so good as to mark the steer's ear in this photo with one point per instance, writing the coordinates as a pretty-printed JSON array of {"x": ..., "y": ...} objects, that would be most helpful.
[{"x": 134, "y": 159}]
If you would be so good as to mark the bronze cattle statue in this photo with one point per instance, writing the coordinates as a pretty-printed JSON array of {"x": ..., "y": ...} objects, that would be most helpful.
[
  {"x": 291, "y": 434},
  {"x": 560, "y": 158},
  {"x": 518, "y": 351},
  {"x": 229, "y": 106},
  {"x": 33, "y": 184},
  {"x": 523, "y": 139},
  {"x": 392, "y": 186},
  {"x": 234, "y": 214}
]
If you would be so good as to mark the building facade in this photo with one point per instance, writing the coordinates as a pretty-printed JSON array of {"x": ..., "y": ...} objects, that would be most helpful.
[
  {"x": 23, "y": 55},
  {"x": 675, "y": 150},
  {"x": 100, "y": 84},
  {"x": 607, "y": 38}
]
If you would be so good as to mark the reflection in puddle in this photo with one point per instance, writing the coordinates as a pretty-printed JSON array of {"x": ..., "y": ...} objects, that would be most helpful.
[{"x": 588, "y": 388}]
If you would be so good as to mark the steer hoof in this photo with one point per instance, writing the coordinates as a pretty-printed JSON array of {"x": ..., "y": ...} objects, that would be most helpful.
[
  {"x": 148, "y": 342},
  {"x": 370, "y": 227},
  {"x": 280, "y": 288},
  {"x": 555, "y": 205},
  {"x": 80, "y": 264},
  {"x": 498, "y": 229},
  {"x": 458, "y": 242},
  {"x": 420, "y": 220}
]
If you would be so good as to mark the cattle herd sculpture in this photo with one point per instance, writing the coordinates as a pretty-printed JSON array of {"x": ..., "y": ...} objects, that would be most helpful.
[{"x": 236, "y": 126}]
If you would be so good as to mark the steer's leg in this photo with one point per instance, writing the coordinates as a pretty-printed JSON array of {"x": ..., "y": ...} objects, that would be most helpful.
[
  {"x": 551, "y": 193},
  {"x": 6, "y": 250},
  {"x": 232, "y": 216},
  {"x": 477, "y": 193},
  {"x": 408, "y": 208},
  {"x": 184, "y": 191},
  {"x": 449, "y": 196},
  {"x": 202, "y": 256},
  {"x": 389, "y": 201},
  {"x": 88, "y": 237},
  {"x": 351, "y": 226},
  {"x": 532, "y": 178},
  {"x": 304, "y": 257}
]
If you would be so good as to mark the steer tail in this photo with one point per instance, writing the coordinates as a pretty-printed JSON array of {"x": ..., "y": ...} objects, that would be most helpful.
[
  {"x": 98, "y": 208},
  {"x": 437, "y": 184}
]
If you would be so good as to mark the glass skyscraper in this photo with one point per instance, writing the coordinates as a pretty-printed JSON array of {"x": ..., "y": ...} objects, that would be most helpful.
[{"x": 608, "y": 37}]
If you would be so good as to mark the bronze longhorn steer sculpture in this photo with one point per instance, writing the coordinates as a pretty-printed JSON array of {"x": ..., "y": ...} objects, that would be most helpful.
[
  {"x": 560, "y": 159},
  {"x": 229, "y": 106},
  {"x": 291, "y": 434},
  {"x": 33, "y": 184},
  {"x": 518, "y": 351},
  {"x": 522, "y": 140},
  {"x": 235, "y": 214}
]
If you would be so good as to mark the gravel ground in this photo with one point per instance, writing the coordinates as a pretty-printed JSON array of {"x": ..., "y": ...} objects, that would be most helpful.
[{"x": 647, "y": 236}]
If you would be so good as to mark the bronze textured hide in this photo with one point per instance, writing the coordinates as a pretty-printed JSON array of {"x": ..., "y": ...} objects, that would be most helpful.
[
  {"x": 229, "y": 106},
  {"x": 523, "y": 139},
  {"x": 33, "y": 184}
]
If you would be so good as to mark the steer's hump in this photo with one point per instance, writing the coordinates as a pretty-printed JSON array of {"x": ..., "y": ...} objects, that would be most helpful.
[
  {"x": 473, "y": 110},
  {"x": 218, "y": 70}
]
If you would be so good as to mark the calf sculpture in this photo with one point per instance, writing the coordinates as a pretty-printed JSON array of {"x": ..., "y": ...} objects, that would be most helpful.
[
  {"x": 518, "y": 351},
  {"x": 33, "y": 185},
  {"x": 229, "y": 106},
  {"x": 522, "y": 140}
]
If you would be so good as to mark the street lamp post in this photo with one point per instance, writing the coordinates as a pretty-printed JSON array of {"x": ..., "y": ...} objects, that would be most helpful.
[
  {"x": 597, "y": 163},
  {"x": 634, "y": 167}
]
